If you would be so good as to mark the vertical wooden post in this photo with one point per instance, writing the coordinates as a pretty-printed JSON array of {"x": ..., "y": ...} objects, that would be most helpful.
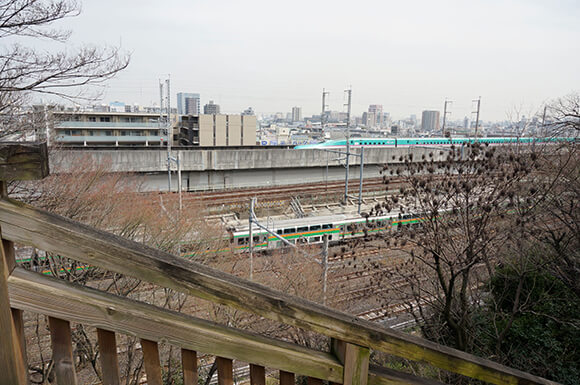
[
  {"x": 109, "y": 360},
  {"x": 62, "y": 352},
  {"x": 151, "y": 361},
  {"x": 257, "y": 375},
  {"x": 18, "y": 161},
  {"x": 189, "y": 365},
  {"x": 225, "y": 371},
  {"x": 17, "y": 314},
  {"x": 12, "y": 354},
  {"x": 355, "y": 360},
  {"x": 286, "y": 378}
]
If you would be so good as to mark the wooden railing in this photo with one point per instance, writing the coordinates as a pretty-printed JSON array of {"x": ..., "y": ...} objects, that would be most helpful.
[{"x": 63, "y": 302}]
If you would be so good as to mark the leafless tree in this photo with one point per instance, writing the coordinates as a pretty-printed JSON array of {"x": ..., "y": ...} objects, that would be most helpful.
[
  {"x": 94, "y": 195},
  {"x": 458, "y": 212},
  {"x": 25, "y": 70},
  {"x": 563, "y": 115}
]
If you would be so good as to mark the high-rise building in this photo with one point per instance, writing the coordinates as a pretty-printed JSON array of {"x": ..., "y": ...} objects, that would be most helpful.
[
  {"x": 296, "y": 114},
  {"x": 211, "y": 108},
  {"x": 430, "y": 121},
  {"x": 377, "y": 109},
  {"x": 188, "y": 104},
  {"x": 369, "y": 119}
]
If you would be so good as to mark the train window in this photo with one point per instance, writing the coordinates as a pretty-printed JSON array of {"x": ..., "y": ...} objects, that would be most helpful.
[
  {"x": 289, "y": 231},
  {"x": 243, "y": 240},
  {"x": 327, "y": 226},
  {"x": 302, "y": 229},
  {"x": 315, "y": 227},
  {"x": 330, "y": 237},
  {"x": 315, "y": 239},
  {"x": 279, "y": 231},
  {"x": 256, "y": 238}
]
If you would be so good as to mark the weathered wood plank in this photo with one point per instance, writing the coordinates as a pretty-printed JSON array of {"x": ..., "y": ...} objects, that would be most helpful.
[
  {"x": 23, "y": 161},
  {"x": 257, "y": 375},
  {"x": 225, "y": 371},
  {"x": 189, "y": 366},
  {"x": 385, "y": 376},
  {"x": 108, "y": 357},
  {"x": 62, "y": 353},
  {"x": 151, "y": 362},
  {"x": 37, "y": 293},
  {"x": 12, "y": 358},
  {"x": 50, "y": 232},
  {"x": 355, "y": 360},
  {"x": 286, "y": 378}
]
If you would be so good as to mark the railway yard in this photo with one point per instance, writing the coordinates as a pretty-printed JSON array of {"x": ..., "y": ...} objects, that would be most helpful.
[{"x": 352, "y": 270}]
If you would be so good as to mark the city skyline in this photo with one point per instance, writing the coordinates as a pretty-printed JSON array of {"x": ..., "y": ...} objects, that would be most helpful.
[{"x": 407, "y": 57}]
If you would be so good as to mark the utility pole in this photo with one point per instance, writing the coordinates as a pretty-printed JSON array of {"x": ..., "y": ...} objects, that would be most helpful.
[
  {"x": 169, "y": 133},
  {"x": 347, "y": 166},
  {"x": 323, "y": 113},
  {"x": 179, "y": 180},
  {"x": 324, "y": 267},
  {"x": 252, "y": 220},
  {"x": 478, "y": 100},
  {"x": 348, "y": 106},
  {"x": 445, "y": 114},
  {"x": 161, "y": 125},
  {"x": 360, "y": 180},
  {"x": 251, "y": 240}
]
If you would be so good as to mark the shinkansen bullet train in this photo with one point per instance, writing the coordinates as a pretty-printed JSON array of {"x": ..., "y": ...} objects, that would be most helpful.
[
  {"x": 427, "y": 142},
  {"x": 312, "y": 230}
]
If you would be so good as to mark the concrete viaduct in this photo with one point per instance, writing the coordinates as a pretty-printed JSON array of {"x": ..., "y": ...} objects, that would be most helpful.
[{"x": 214, "y": 169}]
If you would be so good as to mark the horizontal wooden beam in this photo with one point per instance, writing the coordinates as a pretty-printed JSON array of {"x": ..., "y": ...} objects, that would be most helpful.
[
  {"x": 30, "y": 226},
  {"x": 23, "y": 161},
  {"x": 385, "y": 376},
  {"x": 34, "y": 292}
]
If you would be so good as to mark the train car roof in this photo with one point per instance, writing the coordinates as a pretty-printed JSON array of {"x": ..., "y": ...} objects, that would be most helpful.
[
  {"x": 308, "y": 221},
  {"x": 296, "y": 222}
]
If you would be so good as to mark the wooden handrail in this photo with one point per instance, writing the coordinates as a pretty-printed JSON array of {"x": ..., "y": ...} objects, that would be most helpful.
[
  {"x": 109, "y": 313},
  {"x": 30, "y": 226},
  {"x": 34, "y": 292}
]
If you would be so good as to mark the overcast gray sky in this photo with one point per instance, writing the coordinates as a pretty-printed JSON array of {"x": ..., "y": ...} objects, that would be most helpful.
[{"x": 406, "y": 55}]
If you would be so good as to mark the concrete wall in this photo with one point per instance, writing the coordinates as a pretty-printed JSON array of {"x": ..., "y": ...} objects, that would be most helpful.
[
  {"x": 218, "y": 180},
  {"x": 234, "y": 159},
  {"x": 220, "y": 130},
  {"x": 235, "y": 130},
  {"x": 249, "y": 125},
  {"x": 206, "y": 130},
  {"x": 217, "y": 169}
]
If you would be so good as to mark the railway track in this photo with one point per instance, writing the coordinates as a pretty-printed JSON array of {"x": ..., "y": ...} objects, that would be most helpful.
[
  {"x": 369, "y": 184},
  {"x": 319, "y": 193}
]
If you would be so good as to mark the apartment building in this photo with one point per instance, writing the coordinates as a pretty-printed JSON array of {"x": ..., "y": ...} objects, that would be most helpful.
[
  {"x": 92, "y": 128},
  {"x": 217, "y": 130},
  {"x": 106, "y": 128}
]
